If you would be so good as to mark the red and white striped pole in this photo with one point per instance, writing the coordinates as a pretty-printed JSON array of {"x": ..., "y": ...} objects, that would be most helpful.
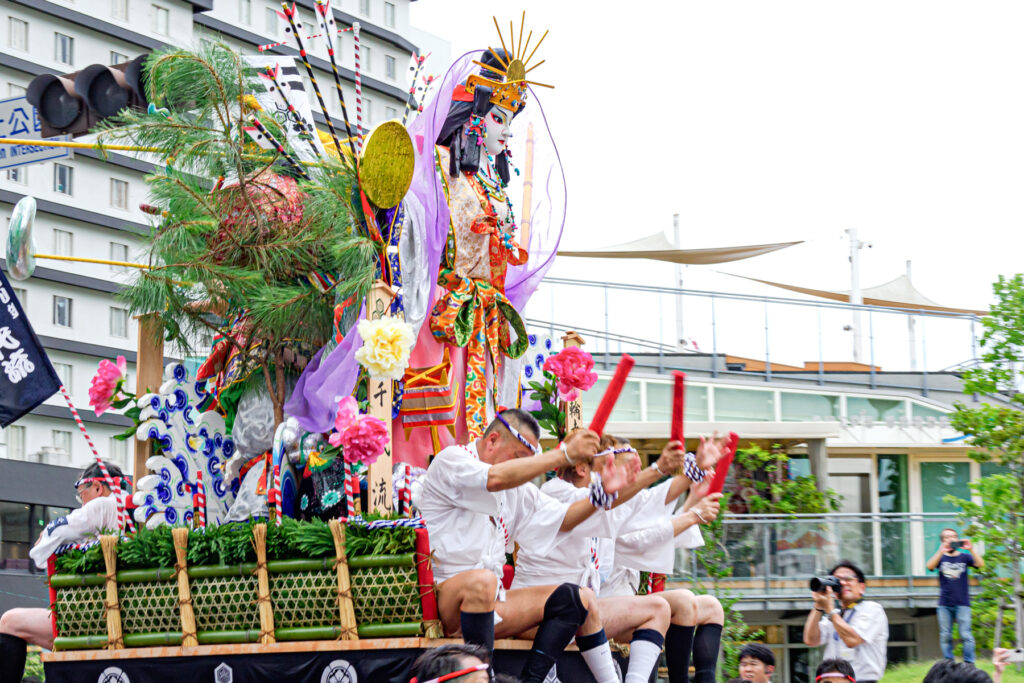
[
  {"x": 122, "y": 515},
  {"x": 406, "y": 493},
  {"x": 277, "y": 492},
  {"x": 199, "y": 501},
  {"x": 359, "y": 89},
  {"x": 350, "y": 499}
]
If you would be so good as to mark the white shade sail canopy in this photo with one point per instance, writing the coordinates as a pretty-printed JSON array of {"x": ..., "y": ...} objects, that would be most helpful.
[
  {"x": 658, "y": 248},
  {"x": 897, "y": 293}
]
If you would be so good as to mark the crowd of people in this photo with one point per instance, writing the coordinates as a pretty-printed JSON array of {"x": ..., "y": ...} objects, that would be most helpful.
[{"x": 578, "y": 544}]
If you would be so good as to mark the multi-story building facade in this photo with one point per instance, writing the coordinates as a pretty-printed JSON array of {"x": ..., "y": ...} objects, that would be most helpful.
[{"x": 89, "y": 207}]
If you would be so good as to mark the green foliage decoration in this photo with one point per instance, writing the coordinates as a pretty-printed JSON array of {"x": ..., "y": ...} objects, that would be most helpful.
[{"x": 233, "y": 251}]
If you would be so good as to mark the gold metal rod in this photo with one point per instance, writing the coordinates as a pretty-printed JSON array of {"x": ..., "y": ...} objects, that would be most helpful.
[
  {"x": 502, "y": 39},
  {"x": 535, "y": 66},
  {"x": 528, "y": 38},
  {"x": 489, "y": 67},
  {"x": 103, "y": 262},
  {"x": 500, "y": 60},
  {"x": 522, "y": 24},
  {"x": 80, "y": 145},
  {"x": 535, "y": 47}
]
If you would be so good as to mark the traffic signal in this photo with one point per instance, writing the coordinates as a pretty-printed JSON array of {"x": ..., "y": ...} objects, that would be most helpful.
[{"x": 74, "y": 103}]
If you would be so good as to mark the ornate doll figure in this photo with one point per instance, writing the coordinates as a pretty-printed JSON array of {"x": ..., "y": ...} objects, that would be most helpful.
[{"x": 472, "y": 311}]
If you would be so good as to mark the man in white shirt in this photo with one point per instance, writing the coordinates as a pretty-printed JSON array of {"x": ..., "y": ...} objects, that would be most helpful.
[
  {"x": 857, "y": 632},
  {"x": 476, "y": 502},
  {"x": 640, "y": 620},
  {"x": 24, "y": 625}
]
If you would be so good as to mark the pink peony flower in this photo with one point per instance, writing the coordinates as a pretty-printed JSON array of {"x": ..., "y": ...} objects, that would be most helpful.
[
  {"x": 573, "y": 369},
  {"x": 362, "y": 437},
  {"x": 105, "y": 384}
]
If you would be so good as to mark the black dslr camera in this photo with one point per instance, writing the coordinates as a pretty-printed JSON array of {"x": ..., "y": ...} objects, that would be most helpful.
[{"x": 819, "y": 584}]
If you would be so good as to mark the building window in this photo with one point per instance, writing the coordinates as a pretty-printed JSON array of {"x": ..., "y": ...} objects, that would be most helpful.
[
  {"x": 161, "y": 20},
  {"x": 21, "y": 295},
  {"x": 245, "y": 11},
  {"x": 389, "y": 67},
  {"x": 18, "y": 175},
  {"x": 118, "y": 252},
  {"x": 15, "y": 536},
  {"x": 64, "y": 48},
  {"x": 389, "y": 14},
  {"x": 63, "y": 179},
  {"x": 119, "y": 10},
  {"x": 368, "y": 110},
  {"x": 15, "y": 90},
  {"x": 272, "y": 24},
  {"x": 118, "y": 57},
  {"x": 366, "y": 57},
  {"x": 17, "y": 33},
  {"x": 15, "y": 442},
  {"x": 63, "y": 242},
  {"x": 390, "y": 113},
  {"x": 118, "y": 322},
  {"x": 62, "y": 442},
  {"x": 118, "y": 193},
  {"x": 118, "y": 452},
  {"x": 364, "y": 7},
  {"x": 62, "y": 311},
  {"x": 63, "y": 371},
  {"x": 307, "y": 31}
]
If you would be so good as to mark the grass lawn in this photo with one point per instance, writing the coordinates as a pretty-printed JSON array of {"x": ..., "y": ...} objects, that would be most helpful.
[{"x": 914, "y": 673}]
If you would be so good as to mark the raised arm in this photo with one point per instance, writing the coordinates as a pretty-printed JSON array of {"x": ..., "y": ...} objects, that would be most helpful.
[
  {"x": 516, "y": 472},
  {"x": 979, "y": 563},
  {"x": 933, "y": 561}
]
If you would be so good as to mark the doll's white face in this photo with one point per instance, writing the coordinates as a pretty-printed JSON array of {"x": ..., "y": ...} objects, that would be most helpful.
[{"x": 496, "y": 125}]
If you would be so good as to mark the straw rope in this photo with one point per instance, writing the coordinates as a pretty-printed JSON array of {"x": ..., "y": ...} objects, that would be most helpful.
[
  {"x": 266, "y": 610},
  {"x": 188, "y": 616},
  {"x": 111, "y": 606},
  {"x": 346, "y": 604}
]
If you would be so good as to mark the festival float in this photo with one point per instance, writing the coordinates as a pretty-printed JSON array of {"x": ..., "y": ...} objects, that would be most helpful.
[{"x": 364, "y": 293}]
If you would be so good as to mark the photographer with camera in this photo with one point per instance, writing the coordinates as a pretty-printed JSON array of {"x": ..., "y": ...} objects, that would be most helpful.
[
  {"x": 857, "y": 631},
  {"x": 954, "y": 601}
]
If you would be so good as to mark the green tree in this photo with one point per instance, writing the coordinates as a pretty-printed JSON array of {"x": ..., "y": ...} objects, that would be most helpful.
[
  {"x": 779, "y": 494},
  {"x": 995, "y": 433}
]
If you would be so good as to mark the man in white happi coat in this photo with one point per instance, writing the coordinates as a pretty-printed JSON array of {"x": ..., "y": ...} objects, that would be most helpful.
[
  {"x": 477, "y": 503},
  {"x": 640, "y": 620}
]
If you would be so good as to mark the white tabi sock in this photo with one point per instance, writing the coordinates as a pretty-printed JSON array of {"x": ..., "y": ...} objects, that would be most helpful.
[
  {"x": 598, "y": 657},
  {"x": 644, "y": 651}
]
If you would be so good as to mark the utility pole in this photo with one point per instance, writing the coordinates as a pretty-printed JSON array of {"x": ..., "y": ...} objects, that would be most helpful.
[
  {"x": 677, "y": 240},
  {"x": 912, "y": 332},
  {"x": 855, "y": 295}
]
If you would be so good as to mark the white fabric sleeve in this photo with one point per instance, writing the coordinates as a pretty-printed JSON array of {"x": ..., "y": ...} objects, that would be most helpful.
[
  {"x": 689, "y": 538},
  {"x": 463, "y": 480},
  {"x": 826, "y": 628},
  {"x": 870, "y": 623},
  {"x": 647, "y": 549},
  {"x": 79, "y": 525},
  {"x": 533, "y": 518}
]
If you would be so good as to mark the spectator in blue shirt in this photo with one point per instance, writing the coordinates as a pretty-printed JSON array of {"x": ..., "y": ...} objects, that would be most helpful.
[{"x": 952, "y": 560}]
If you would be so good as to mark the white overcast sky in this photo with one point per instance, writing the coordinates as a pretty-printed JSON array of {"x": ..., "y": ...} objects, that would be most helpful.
[{"x": 783, "y": 120}]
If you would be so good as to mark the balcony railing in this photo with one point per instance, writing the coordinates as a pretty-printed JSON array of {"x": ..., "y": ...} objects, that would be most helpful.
[{"x": 772, "y": 557}]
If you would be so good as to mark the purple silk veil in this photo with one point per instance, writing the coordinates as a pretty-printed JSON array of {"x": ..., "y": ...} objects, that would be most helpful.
[{"x": 330, "y": 376}]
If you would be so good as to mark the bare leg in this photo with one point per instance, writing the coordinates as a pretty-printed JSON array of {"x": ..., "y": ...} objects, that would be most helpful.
[
  {"x": 709, "y": 610},
  {"x": 623, "y": 615},
  {"x": 18, "y": 628},
  {"x": 684, "y": 606},
  {"x": 466, "y": 602},
  {"x": 31, "y": 624}
]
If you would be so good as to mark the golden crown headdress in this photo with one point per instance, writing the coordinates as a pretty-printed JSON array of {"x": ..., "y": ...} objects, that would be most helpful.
[{"x": 509, "y": 92}]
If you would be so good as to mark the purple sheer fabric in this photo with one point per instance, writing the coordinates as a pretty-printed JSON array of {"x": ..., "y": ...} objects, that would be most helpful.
[{"x": 313, "y": 402}]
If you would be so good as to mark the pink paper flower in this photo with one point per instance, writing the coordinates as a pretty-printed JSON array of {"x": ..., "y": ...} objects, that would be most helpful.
[
  {"x": 105, "y": 384},
  {"x": 362, "y": 437},
  {"x": 573, "y": 369}
]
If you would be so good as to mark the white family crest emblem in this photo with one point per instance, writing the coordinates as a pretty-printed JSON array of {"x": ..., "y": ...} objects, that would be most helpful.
[
  {"x": 113, "y": 674},
  {"x": 339, "y": 671},
  {"x": 223, "y": 674}
]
